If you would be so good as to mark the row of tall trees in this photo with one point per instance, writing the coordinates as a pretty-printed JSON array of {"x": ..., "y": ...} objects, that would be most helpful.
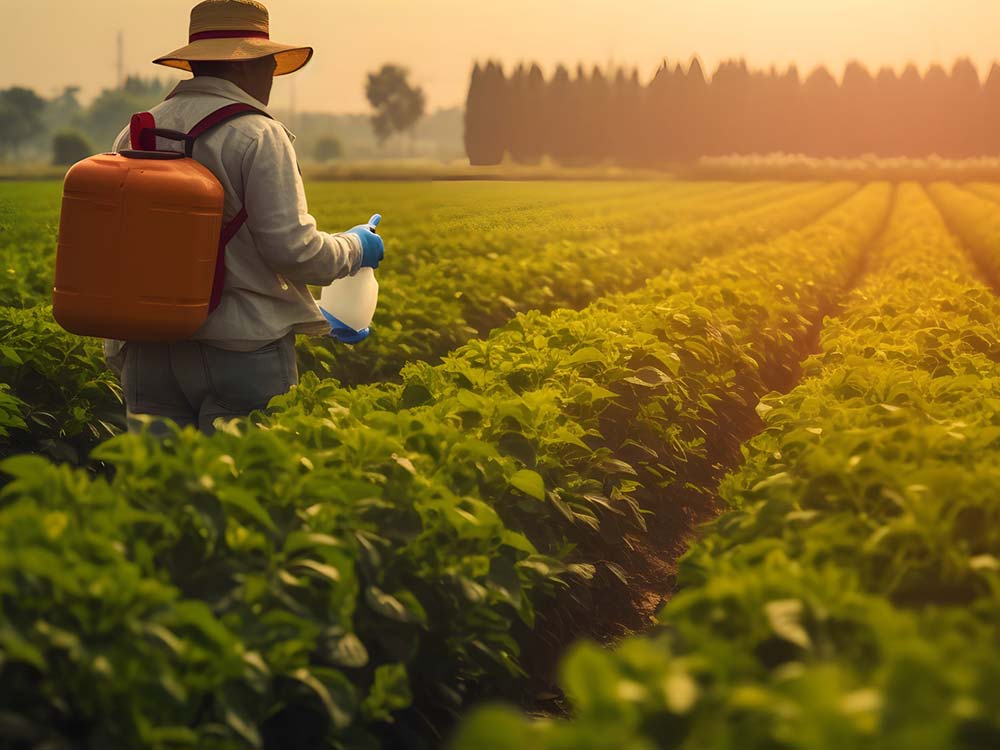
[{"x": 681, "y": 114}]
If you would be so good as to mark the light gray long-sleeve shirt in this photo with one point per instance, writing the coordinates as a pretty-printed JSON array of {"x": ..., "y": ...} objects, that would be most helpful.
[{"x": 279, "y": 250}]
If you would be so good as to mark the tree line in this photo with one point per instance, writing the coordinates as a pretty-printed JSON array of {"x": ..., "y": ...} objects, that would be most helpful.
[
  {"x": 61, "y": 128},
  {"x": 597, "y": 116}
]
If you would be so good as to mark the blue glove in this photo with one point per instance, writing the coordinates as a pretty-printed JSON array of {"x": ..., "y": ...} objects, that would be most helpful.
[
  {"x": 372, "y": 247},
  {"x": 343, "y": 332}
]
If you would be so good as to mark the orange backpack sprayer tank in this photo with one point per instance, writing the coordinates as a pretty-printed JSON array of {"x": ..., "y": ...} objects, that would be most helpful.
[{"x": 141, "y": 253}]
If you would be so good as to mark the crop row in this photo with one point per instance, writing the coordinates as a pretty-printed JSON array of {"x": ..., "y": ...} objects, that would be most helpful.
[
  {"x": 56, "y": 395},
  {"x": 974, "y": 219},
  {"x": 851, "y": 595},
  {"x": 29, "y": 226},
  {"x": 984, "y": 190},
  {"x": 422, "y": 230},
  {"x": 349, "y": 569},
  {"x": 60, "y": 400},
  {"x": 432, "y": 308}
]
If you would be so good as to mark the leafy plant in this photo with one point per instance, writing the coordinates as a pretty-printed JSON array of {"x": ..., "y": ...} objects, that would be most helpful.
[
  {"x": 850, "y": 597},
  {"x": 351, "y": 538}
]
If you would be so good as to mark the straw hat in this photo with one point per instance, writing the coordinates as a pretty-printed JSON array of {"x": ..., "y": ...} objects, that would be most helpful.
[{"x": 234, "y": 30}]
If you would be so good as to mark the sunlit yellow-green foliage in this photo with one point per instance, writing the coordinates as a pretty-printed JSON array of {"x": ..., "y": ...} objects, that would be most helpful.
[
  {"x": 556, "y": 370},
  {"x": 851, "y": 597}
]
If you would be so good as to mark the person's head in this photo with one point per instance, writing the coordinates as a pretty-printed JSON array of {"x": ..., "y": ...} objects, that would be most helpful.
[
  {"x": 253, "y": 76},
  {"x": 231, "y": 39}
]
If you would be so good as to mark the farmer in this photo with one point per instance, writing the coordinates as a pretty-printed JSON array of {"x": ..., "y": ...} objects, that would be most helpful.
[{"x": 244, "y": 354}]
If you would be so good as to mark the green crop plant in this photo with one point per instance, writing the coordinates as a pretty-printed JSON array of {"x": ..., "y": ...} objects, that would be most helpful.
[
  {"x": 362, "y": 556},
  {"x": 357, "y": 565},
  {"x": 850, "y": 596}
]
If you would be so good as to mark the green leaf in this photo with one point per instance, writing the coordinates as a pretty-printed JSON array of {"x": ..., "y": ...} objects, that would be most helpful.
[
  {"x": 517, "y": 445},
  {"x": 391, "y": 607},
  {"x": 13, "y": 647},
  {"x": 337, "y": 704},
  {"x": 25, "y": 467},
  {"x": 198, "y": 615},
  {"x": 11, "y": 355},
  {"x": 327, "y": 572},
  {"x": 299, "y": 540},
  {"x": 244, "y": 500},
  {"x": 415, "y": 395},
  {"x": 583, "y": 356},
  {"x": 785, "y": 616},
  {"x": 390, "y": 693},
  {"x": 680, "y": 691},
  {"x": 344, "y": 649},
  {"x": 530, "y": 483},
  {"x": 239, "y": 717},
  {"x": 616, "y": 466},
  {"x": 599, "y": 393},
  {"x": 495, "y": 728}
]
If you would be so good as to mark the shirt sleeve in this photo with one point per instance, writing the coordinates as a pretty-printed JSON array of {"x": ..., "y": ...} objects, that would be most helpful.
[{"x": 278, "y": 216}]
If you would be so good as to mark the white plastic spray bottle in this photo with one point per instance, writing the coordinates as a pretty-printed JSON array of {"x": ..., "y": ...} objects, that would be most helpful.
[{"x": 352, "y": 300}]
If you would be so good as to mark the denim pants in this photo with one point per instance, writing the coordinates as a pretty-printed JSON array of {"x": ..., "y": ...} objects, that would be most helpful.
[{"x": 194, "y": 384}]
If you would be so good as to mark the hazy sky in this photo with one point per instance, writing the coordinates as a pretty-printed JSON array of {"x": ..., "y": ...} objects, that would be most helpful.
[{"x": 51, "y": 43}]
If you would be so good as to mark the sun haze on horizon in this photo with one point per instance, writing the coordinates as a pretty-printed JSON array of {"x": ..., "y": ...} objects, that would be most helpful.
[{"x": 45, "y": 48}]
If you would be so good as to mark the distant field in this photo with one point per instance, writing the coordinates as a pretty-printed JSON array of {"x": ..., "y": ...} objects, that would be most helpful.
[
  {"x": 751, "y": 168},
  {"x": 565, "y": 379},
  {"x": 400, "y": 170}
]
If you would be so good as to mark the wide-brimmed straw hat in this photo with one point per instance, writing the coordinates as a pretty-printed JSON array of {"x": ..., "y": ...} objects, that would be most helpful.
[{"x": 236, "y": 31}]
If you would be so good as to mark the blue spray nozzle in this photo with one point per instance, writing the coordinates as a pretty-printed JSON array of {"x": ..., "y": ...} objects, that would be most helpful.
[{"x": 374, "y": 221}]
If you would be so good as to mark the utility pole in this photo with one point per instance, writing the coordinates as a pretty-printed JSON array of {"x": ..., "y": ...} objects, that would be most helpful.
[
  {"x": 293, "y": 104},
  {"x": 121, "y": 59}
]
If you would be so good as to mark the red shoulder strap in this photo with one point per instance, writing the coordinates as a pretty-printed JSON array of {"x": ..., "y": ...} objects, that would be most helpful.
[
  {"x": 228, "y": 232},
  {"x": 220, "y": 116},
  {"x": 225, "y": 114}
]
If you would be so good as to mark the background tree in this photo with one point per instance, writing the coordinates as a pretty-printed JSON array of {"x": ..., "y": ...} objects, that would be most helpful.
[
  {"x": 729, "y": 97},
  {"x": 627, "y": 135},
  {"x": 560, "y": 117},
  {"x": 909, "y": 117},
  {"x": 889, "y": 99},
  {"x": 821, "y": 105},
  {"x": 577, "y": 112},
  {"x": 20, "y": 117},
  {"x": 69, "y": 147},
  {"x": 398, "y": 105},
  {"x": 113, "y": 108},
  {"x": 63, "y": 111},
  {"x": 966, "y": 123},
  {"x": 487, "y": 118},
  {"x": 693, "y": 103},
  {"x": 660, "y": 131},
  {"x": 328, "y": 148},
  {"x": 991, "y": 108},
  {"x": 860, "y": 110},
  {"x": 532, "y": 141},
  {"x": 526, "y": 94},
  {"x": 934, "y": 113},
  {"x": 477, "y": 110}
]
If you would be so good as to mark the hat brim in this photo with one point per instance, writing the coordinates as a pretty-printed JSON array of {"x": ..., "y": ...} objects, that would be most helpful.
[{"x": 289, "y": 58}]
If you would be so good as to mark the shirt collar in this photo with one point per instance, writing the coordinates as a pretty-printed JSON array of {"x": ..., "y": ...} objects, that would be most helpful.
[{"x": 207, "y": 85}]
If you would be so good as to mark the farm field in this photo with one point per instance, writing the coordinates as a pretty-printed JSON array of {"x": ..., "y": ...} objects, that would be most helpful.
[{"x": 566, "y": 381}]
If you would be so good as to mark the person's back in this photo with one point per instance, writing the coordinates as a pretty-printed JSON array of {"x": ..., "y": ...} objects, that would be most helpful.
[{"x": 244, "y": 353}]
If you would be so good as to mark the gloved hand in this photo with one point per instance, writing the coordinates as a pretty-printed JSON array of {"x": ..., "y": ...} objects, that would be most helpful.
[
  {"x": 372, "y": 247},
  {"x": 344, "y": 333}
]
